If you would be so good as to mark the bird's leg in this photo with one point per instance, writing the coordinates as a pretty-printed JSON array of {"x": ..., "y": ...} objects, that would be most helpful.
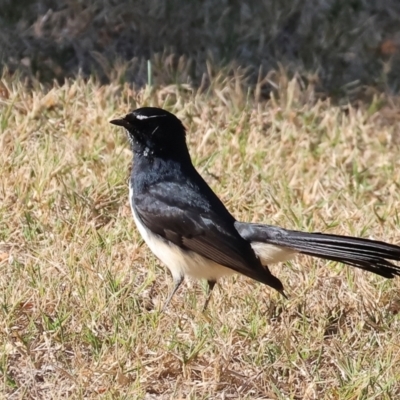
[
  {"x": 211, "y": 285},
  {"x": 177, "y": 282}
]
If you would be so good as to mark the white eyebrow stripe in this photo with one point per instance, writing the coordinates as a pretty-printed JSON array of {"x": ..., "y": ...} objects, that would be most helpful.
[{"x": 147, "y": 117}]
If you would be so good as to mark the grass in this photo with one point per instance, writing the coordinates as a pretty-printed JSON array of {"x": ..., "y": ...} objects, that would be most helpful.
[{"x": 81, "y": 294}]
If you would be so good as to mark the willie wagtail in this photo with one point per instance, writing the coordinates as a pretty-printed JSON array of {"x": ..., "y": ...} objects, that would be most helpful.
[{"x": 189, "y": 229}]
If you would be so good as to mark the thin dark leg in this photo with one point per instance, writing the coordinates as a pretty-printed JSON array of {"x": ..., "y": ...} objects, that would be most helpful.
[
  {"x": 177, "y": 283},
  {"x": 211, "y": 285}
]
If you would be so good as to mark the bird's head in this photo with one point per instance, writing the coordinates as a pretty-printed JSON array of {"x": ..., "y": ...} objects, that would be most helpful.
[{"x": 154, "y": 132}]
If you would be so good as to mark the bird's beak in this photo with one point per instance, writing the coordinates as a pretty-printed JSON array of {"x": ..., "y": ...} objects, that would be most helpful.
[{"x": 121, "y": 122}]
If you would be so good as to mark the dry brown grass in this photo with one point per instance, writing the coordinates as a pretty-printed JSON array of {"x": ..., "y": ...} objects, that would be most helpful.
[{"x": 81, "y": 294}]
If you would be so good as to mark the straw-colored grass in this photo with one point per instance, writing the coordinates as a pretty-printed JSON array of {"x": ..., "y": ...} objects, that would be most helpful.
[{"x": 80, "y": 293}]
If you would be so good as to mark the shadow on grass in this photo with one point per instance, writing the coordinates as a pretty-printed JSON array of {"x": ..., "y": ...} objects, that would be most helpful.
[{"x": 340, "y": 44}]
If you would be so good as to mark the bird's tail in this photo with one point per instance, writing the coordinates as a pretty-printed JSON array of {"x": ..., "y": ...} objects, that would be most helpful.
[{"x": 370, "y": 255}]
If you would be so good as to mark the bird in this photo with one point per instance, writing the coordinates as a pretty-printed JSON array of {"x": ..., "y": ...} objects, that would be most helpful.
[{"x": 189, "y": 229}]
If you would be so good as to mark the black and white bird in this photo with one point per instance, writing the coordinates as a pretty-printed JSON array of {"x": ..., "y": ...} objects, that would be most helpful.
[{"x": 189, "y": 229}]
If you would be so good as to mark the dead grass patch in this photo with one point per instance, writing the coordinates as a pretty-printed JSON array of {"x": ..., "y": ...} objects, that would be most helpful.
[{"x": 80, "y": 293}]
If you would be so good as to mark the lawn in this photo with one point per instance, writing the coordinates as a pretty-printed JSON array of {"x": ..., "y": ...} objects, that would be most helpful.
[{"x": 81, "y": 293}]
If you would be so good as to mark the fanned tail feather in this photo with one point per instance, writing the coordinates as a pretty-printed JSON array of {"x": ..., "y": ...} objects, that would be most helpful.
[{"x": 370, "y": 255}]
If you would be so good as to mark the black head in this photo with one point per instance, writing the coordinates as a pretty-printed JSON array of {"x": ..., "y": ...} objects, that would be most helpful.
[{"x": 154, "y": 132}]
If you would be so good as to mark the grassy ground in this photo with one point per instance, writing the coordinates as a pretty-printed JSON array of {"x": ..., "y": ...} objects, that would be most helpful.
[{"x": 81, "y": 294}]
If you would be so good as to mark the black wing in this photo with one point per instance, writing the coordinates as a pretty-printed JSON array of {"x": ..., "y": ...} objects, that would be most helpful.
[{"x": 189, "y": 222}]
